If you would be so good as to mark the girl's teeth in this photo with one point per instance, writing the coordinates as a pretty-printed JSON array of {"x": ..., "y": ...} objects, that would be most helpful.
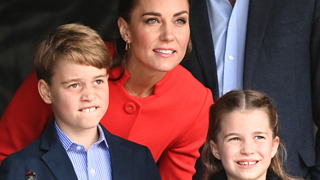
[{"x": 247, "y": 163}]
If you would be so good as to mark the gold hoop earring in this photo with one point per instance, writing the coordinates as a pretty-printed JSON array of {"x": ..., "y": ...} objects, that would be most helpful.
[{"x": 127, "y": 46}]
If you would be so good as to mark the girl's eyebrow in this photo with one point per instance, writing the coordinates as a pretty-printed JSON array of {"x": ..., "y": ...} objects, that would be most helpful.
[
  {"x": 159, "y": 14},
  {"x": 230, "y": 134},
  {"x": 259, "y": 132}
]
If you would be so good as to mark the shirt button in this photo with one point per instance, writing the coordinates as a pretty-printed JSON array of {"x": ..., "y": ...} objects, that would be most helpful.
[
  {"x": 78, "y": 148},
  {"x": 130, "y": 107},
  {"x": 230, "y": 58},
  {"x": 93, "y": 172},
  {"x": 231, "y": 24}
]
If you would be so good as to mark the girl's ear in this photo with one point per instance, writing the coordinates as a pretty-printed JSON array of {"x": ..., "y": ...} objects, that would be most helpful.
[
  {"x": 275, "y": 145},
  {"x": 124, "y": 30},
  {"x": 44, "y": 91},
  {"x": 214, "y": 149}
]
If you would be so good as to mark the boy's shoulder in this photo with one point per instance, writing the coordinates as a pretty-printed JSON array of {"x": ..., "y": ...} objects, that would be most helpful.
[{"x": 27, "y": 154}]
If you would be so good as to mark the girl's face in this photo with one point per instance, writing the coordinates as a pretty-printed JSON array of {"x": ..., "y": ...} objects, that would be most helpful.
[
  {"x": 158, "y": 32},
  {"x": 245, "y": 145}
]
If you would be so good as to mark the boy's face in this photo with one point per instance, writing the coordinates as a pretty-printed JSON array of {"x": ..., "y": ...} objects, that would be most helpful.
[{"x": 79, "y": 95}]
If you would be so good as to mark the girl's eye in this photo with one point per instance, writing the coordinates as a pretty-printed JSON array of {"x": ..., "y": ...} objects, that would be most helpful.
[
  {"x": 74, "y": 86},
  {"x": 259, "y": 137},
  {"x": 98, "y": 81},
  {"x": 181, "y": 21},
  {"x": 151, "y": 21}
]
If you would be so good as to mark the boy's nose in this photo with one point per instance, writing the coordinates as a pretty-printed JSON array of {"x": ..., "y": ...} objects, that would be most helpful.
[{"x": 87, "y": 94}]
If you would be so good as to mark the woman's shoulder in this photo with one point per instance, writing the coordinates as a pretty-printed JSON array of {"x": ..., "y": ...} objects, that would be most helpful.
[{"x": 184, "y": 77}]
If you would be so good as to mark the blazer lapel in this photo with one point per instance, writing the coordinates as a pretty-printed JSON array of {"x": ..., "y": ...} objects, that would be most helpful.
[
  {"x": 257, "y": 23},
  {"x": 56, "y": 158},
  {"x": 201, "y": 31},
  {"x": 121, "y": 158}
]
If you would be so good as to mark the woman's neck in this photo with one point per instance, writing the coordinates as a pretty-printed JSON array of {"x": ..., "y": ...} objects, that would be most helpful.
[{"x": 142, "y": 81}]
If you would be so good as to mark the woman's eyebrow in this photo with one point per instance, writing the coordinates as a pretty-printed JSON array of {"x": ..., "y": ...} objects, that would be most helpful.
[{"x": 159, "y": 14}]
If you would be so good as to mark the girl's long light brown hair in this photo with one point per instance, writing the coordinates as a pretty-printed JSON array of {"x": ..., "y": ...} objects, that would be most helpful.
[{"x": 237, "y": 101}]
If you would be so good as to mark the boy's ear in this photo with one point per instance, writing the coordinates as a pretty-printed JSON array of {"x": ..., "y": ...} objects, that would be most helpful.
[
  {"x": 44, "y": 91},
  {"x": 275, "y": 145},
  {"x": 214, "y": 149},
  {"x": 124, "y": 31}
]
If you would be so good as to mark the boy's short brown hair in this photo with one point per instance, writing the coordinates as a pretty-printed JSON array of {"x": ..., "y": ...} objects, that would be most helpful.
[{"x": 72, "y": 42}]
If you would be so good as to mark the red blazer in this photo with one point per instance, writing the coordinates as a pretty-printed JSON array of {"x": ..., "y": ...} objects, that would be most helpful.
[{"x": 173, "y": 122}]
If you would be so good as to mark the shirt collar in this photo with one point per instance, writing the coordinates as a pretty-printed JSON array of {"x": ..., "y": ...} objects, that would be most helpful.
[{"x": 68, "y": 142}]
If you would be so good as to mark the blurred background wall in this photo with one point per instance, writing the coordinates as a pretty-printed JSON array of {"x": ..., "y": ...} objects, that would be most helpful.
[{"x": 22, "y": 22}]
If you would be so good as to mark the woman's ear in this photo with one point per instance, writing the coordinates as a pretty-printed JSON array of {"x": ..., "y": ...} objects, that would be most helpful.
[
  {"x": 214, "y": 149},
  {"x": 124, "y": 30},
  {"x": 44, "y": 91},
  {"x": 275, "y": 145}
]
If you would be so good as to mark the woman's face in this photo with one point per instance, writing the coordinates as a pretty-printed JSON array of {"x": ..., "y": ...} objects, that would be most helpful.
[{"x": 159, "y": 34}]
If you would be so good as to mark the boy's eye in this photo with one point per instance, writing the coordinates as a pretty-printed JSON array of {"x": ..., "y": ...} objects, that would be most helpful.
[
  {"x": 74, "y": 86},
  {"x": 234, "y": 139},
  {"x": 98, "y": 81},
  {"x": 151, "y": 21}
]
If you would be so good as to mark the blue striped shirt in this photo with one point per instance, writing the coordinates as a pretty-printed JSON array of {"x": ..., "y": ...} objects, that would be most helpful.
[{"x": 93, "y": 164}]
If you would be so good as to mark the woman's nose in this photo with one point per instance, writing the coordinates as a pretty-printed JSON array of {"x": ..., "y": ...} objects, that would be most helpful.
[{"x": 167, "y": 32}]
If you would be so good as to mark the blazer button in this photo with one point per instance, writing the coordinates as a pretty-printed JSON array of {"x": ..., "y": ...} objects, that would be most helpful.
[{"x": 130, "y": 107}]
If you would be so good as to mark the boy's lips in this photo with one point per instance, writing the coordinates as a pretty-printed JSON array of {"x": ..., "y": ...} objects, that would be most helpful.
[{"x": 89, "y": 109}]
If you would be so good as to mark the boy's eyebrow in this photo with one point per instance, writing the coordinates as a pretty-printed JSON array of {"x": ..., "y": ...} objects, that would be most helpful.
[
  {"x": 70, "y": 80},
  {"x": 159, "y": 14},
  {"x": 78, "y": 79}
]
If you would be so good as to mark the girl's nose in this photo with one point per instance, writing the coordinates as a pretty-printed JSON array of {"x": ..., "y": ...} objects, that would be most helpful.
[{"x": 247, "y": 147}]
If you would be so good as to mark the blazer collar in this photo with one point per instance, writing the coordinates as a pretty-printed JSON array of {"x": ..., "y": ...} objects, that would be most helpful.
[
  {"x": 257, "y": 23},
  {"x": 59, "y": 163},
  {"x": 120, "y": 156},
  {"x": 56, "y": 158}
]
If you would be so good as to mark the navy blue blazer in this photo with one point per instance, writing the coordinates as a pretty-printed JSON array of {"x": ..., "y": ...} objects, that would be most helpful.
[
  {"x": 282, "y": 59},
  {"x": 49, "y": 160}
]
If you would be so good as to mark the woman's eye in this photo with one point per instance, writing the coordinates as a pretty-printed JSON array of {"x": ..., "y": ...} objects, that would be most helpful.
[
  {"x": 98, "y": 82},
  {"x": 181, "y": 21},
  {"x": 74, "y": 86},
  {"x": 151, "y": 21}
]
